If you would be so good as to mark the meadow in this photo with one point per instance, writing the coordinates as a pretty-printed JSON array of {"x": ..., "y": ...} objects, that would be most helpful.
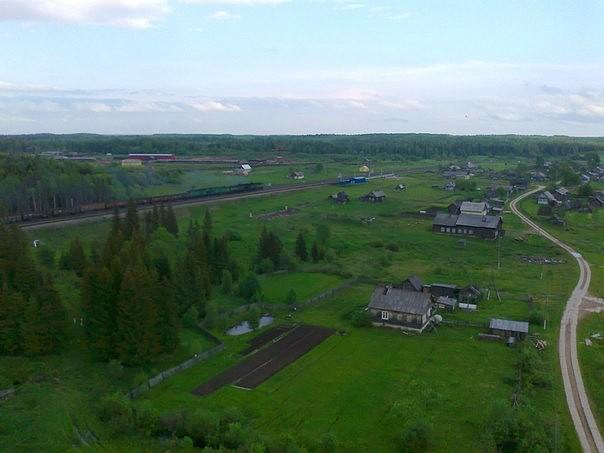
[{"x": 362, "y": 386}]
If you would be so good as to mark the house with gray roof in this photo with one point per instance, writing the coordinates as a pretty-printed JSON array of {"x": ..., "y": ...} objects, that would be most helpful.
[
  {"x": 399, "y": 308},
  {"x": 482, "y": 226},
  {"x": 469, "y": 207},
  {"x": 446, "y": 303},
  {"x": 374, "y": 196}
]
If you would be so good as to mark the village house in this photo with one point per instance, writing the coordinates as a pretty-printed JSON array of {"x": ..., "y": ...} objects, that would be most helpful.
[
  {"x": 400, "y": 187},
  {"x": 482, "y": 226},
  {"x": 450, "y": 186},
  {"x": 297, "y": 175},
  {"x": 132, "y": 163},
  {"x": 506, "y": 329},
  {"x": 597, "y": 200},
  {"x": 340, "y": 197},
  {"x": 244, "y": 169},
  {"x": 561, "y": 194},
  {"x": 468, "y": 207},
  {"x": 399, "y": 308},
  {"x": 546, "y": 198},
  {"x": 376, "y": 196}
]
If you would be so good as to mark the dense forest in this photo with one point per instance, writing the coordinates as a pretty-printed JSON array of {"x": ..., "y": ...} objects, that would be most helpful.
[
  {"x": 33, "y": 185},
  {"x": 410, "y": 145}
]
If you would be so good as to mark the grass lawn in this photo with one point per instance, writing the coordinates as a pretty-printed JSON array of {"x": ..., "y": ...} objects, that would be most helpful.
[
  {"x": 591, "y": 359},
  {"x": 276, "y": 287}
]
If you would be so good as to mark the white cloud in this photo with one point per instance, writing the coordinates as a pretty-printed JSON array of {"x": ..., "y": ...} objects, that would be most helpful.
[
  {"x": 121, "y": 13},
  {"x": 215, "y": 106},
  {"x": 223, "y": 15},
  {"x": 94, "y": 107},
  {"x": 237, "y": 2}
]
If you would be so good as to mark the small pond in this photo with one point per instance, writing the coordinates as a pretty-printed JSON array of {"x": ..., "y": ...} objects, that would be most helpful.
[{"x": 245, "y": 327}]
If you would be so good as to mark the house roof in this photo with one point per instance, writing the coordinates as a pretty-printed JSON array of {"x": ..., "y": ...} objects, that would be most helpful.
[
  {"x": 561, "y": 191},
  {"x": 477, "y": 221},
  {"x": 377, "y": 194},
  {"x": 415, "y": 282},
  {"x": 443, "y": 285},
  {"x": 513, "y": 326},
  {"x": 449, "y": 301},
  {"x": 246, "y": 167},
  {"x": 445, "y": 219},
  {"x": 469, "y": 207},
  {"x": 400, "y": 300},
  {"x": 548, "y": 195}
]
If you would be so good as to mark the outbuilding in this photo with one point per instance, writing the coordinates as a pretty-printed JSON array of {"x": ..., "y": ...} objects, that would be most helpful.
[
  {"x": 376, "y": 196},
  {"x": 446, "y": 303},
  {"x": 506, "y": 328}
]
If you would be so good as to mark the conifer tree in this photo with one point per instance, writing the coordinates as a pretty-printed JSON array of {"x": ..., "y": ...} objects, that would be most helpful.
[
  {"x": 53, "y": 317},
  {"x": 301, "y": 251},
  {"x": 315, "y": 253},
  {"x": 131, "y": 222},
  {"x": 170, "y": 222},
  {"x": 12, "y": 310}
]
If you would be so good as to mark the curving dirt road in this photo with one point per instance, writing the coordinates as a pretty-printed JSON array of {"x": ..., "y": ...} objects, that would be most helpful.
[{"x": 576, "y": 397}]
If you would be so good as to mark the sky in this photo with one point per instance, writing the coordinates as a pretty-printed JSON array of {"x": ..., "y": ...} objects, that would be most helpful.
[{"x": 302, "y": 66}]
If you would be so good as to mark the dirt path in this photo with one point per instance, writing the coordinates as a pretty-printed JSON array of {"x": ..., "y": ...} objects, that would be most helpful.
[{"x": 576, "y": 397}]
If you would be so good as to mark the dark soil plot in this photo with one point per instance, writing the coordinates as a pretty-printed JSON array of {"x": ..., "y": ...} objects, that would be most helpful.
[
  {"x": 266, "y": 337},
  {"x": 301, "y": 347},
  {"x": 267, "y": 362}
]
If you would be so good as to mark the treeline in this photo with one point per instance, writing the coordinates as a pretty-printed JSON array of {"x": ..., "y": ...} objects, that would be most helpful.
[
  {"x": 33, "y": 320},
  {"x": 409, "y": 145},
  {"x": 33, "y": 185}
]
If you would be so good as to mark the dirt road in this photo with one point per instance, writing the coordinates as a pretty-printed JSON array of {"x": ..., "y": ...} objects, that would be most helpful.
[{"x": 576, "y": 397}]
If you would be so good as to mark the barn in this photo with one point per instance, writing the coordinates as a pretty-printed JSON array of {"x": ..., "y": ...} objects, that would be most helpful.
[
  {"x": 482, "y": 226},
  {"x": 400, "y": 309},
  {"x": 505, "y": 328}
]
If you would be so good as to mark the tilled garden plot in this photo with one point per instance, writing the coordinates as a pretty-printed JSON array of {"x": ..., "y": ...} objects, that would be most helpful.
[{"x": 253, "y": 371}]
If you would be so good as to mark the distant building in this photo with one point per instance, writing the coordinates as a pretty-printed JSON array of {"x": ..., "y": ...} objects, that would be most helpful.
[
  {"x": 340, "y": 197},
  {"x": 561, "y": 194},
  {"x": 132, "y": 163},
  {"x": 413, "y": 283},
  {"x": 485, "y": 226},
  {"x": 450, "y": 186},
  {"x": 363, "y": 169},
  {"x": 244, "y": 169},
  {"x": 399, "y": 308},
  {"x": 400, "y": 187},
  {"x": 376, "y": 196},
  {"x": 297, "y": 175},
  {"x": 442, "y": 290}
]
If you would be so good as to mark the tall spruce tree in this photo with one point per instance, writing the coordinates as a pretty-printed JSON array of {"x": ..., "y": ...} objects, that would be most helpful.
[
  {"x": 131, "y": 222},
  {"x": 170, "y": 222},
  {"x": 301, "y": 251}
]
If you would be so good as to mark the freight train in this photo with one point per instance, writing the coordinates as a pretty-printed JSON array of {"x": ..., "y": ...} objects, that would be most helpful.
[{"x": 146, "y": 201}]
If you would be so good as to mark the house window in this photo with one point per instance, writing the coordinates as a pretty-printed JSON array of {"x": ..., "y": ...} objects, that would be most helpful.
[
  {"x": 442, "y": 229},
  {"x": 471, "y": 231},
  {"x": 448, "y": 230},
  {"x": 385, "y": 315}
]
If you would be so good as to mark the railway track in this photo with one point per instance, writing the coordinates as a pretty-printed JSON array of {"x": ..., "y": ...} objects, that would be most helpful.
[
  {"x": 106, "y": 214},
  {"x": 576, "y": 396}
]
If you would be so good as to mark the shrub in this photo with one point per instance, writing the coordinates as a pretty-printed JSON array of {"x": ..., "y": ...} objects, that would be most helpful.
[
  {"x": 377, "y": 244},
  {"x": 146, "y": 418},
  {"x": 291, "y": 298},
  {"x": 202, "y": 426},
  {"x": 265, "y": 266},
  {"x": 115, "y": 369},
  {"x": 227, "y": 282},
  {"x": 174, "y": 422},
  {"x": 393, "y": 247},
  {"x": 116, "y": 411},
  {"x": 361, "y": 319},
  {"x": 249, "y": 287},
  {"x": 231, "y": 235},
  {"x": 415, "y": 437},
  {"x": 191, "y": 317},
  {"x": 536, "y": 318}
]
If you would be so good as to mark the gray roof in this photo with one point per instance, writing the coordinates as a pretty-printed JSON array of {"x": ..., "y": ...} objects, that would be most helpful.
[
  {"x": 377, "y": 193},
  {"x": 445, "y": 219},
  {"x": 400, "y": 300},
  {"x": 478, "y": 221},
  {"x": 513, "y": 326},
  {"x": 473, "y": 207},
  {"x": 444, "y": 300},
  {"x": 562, "y": 191},
  {"x": 416, "y": 282},
  {"x": 443, "y": 285},
  {"x": 548, "y": 195}
]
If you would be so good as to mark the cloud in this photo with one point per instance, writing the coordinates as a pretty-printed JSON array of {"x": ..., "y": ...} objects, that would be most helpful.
[
  {"x": 237, "y": 2},
  {"x": 137, "y": 14},
  {"x": 214, "y": 106},
  {"x": 223, "y": 15}
]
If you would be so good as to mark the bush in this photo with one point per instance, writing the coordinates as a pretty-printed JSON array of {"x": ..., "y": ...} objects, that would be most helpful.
[
  {"x": 249, "y": 287},
  {"x": 536, "y": 318},
  {"x": 191, "y": 317},
  {"x": 202, "y": 426},
  {"x": 377, "y": 244},
  {"x": 265, "y": 266},
  {"x": 231, "y": 235},
  {"x": 146, "y": 418},
  {"x": 116, "y": 411},
  {"x": 174, "y": 422},
  {"x": 115, "y": 369},
  {"x": 393, "y": 247},
  {"x": 227, "y": 282},
  {"x": 416, "y": 437},
  {"x": 361, "y": 319},
  {"x": 291, "y": 298}
]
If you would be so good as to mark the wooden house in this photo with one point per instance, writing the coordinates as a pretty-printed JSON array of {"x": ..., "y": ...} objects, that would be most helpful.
[
  {"x": 376, "y": 196},
  {"x": 505, "y": 328},
  {"x": 399, "y": 308}
]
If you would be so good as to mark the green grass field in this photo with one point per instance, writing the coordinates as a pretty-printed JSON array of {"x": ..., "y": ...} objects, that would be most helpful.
[{"x": 363, "y": 386}]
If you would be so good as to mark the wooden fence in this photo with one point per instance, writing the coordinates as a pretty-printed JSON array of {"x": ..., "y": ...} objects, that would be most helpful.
[{"x": 161, "y": 377}]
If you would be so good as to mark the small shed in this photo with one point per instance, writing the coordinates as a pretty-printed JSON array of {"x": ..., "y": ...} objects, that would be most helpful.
[
  {"x": 297, "y": 175},
  {"x": 446, "y": 303},
  {"x": 442, "y": 289},
  {"x": 506, "y": 328},
  {"x": 400, "y": 187},
  {"x": 470, "y": 293}
]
